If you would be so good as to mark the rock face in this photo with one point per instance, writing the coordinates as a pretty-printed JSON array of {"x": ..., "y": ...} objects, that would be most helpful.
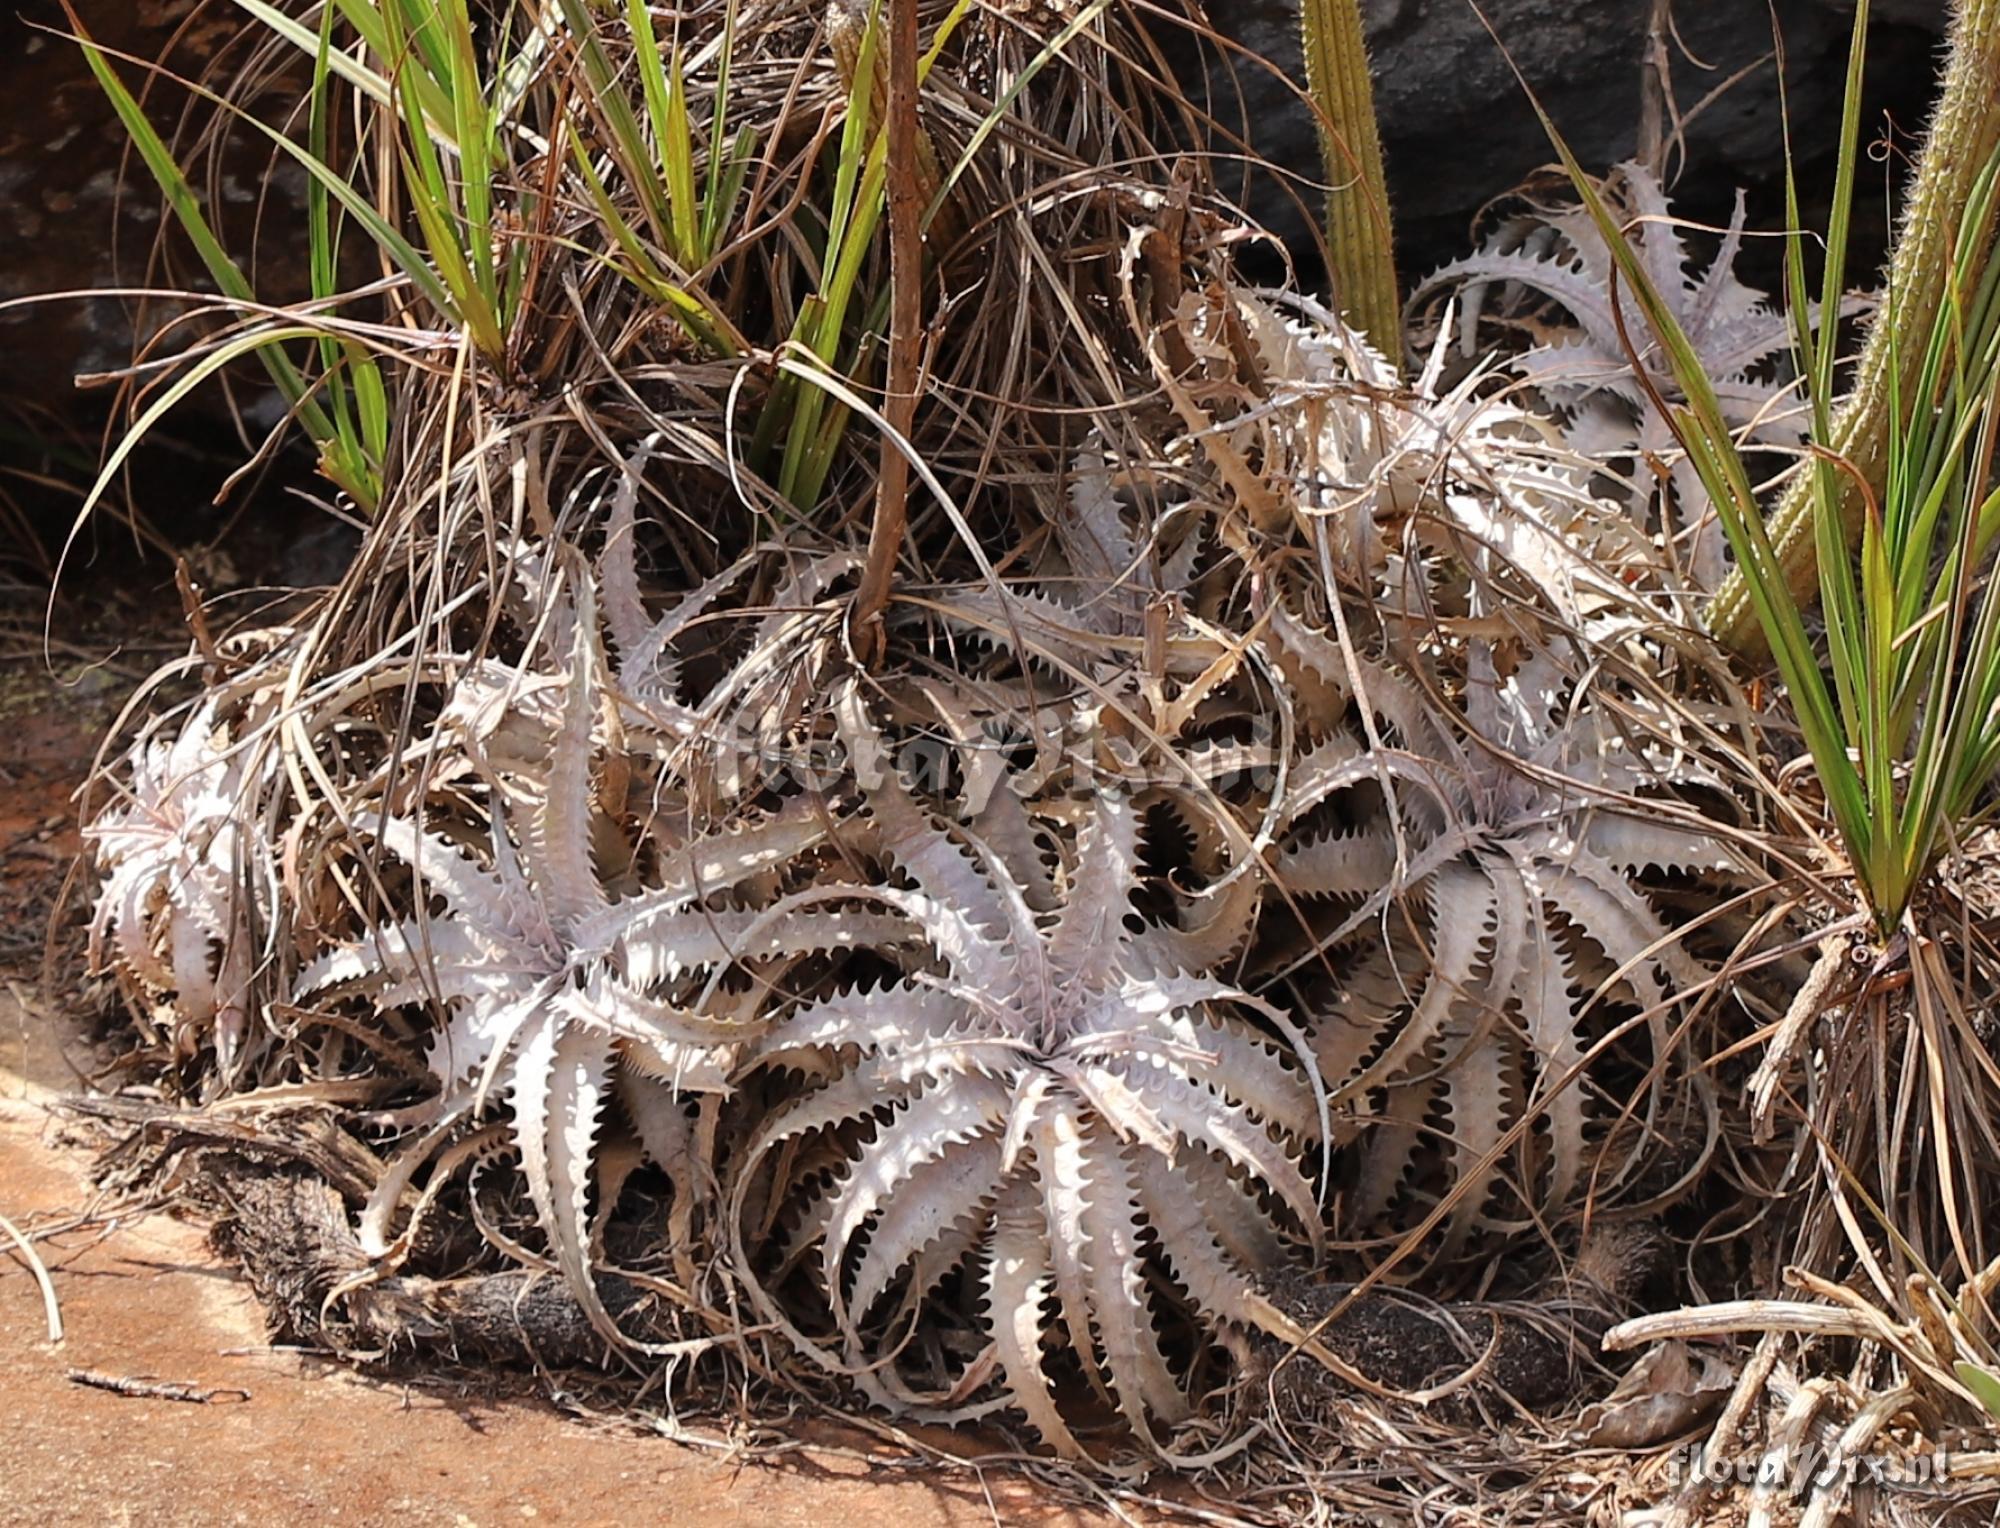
[
  {"x": 78, "y": 212},
  {"x": 1457, "y": 129}
]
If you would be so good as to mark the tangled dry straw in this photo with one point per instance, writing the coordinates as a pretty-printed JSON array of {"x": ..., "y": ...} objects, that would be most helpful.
[{"x": 1288, "y": 840}]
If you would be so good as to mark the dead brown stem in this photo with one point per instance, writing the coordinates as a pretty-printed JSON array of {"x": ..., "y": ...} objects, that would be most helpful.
[{"x": 906, "y": 210}]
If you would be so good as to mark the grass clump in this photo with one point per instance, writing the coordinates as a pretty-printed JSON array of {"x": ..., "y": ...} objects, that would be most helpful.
[
  {"x": 1900, "y": 715},
  {"x": 1897, "y": 701}
]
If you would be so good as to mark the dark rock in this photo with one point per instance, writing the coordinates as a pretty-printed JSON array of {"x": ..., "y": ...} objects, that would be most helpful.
[
  {"x": 1458, "y": 130},
  {"x": 78, "y": 211},
  {"x": 81, "y": 218}
]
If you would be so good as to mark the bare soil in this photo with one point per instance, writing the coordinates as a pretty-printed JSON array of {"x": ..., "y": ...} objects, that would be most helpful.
[
  {"x": 146, "y": 1299},
  {"x": 286, "y": 1436}
]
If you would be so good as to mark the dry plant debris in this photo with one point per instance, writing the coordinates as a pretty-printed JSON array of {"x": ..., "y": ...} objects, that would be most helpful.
[{"x": 139, "y": 1388}]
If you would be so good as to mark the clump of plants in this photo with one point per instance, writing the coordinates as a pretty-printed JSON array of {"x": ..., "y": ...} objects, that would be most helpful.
[{"x": 926, "y": 797}]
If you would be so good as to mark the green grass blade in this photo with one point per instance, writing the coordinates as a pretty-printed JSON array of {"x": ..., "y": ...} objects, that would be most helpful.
[
  {"x": 322, "y": 237},
  {"x": 371, "y": 404},
  {"x": 607, "y": 95},
  {"x": 419, "y": 23},
  {"x": 180, "y": 196},
  {"x": 658, "y": 95},
  {"x": 725, "y": 190},
  {"x": 854, "y": 214},
  {"x": 642, "y": 270},
  {"x": 476, "y": 156},
  {"x": 682, "y": 205},
  {"x": 723, "y": 169}
]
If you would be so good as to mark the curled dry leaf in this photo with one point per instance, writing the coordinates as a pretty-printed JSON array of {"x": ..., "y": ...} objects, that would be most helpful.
[{"x": 1673, "y": 1389}]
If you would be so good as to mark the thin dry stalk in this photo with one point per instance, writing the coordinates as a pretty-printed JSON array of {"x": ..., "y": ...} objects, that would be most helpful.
[
  {"x": 52, "y": 1311},
  {"x": 906, "y": 265}
]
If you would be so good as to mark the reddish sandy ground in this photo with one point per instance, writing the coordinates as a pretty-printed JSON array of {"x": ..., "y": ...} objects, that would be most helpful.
[
  {"x": 315, "y": 1442},
  {"x": 144, "y": 1297}
]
